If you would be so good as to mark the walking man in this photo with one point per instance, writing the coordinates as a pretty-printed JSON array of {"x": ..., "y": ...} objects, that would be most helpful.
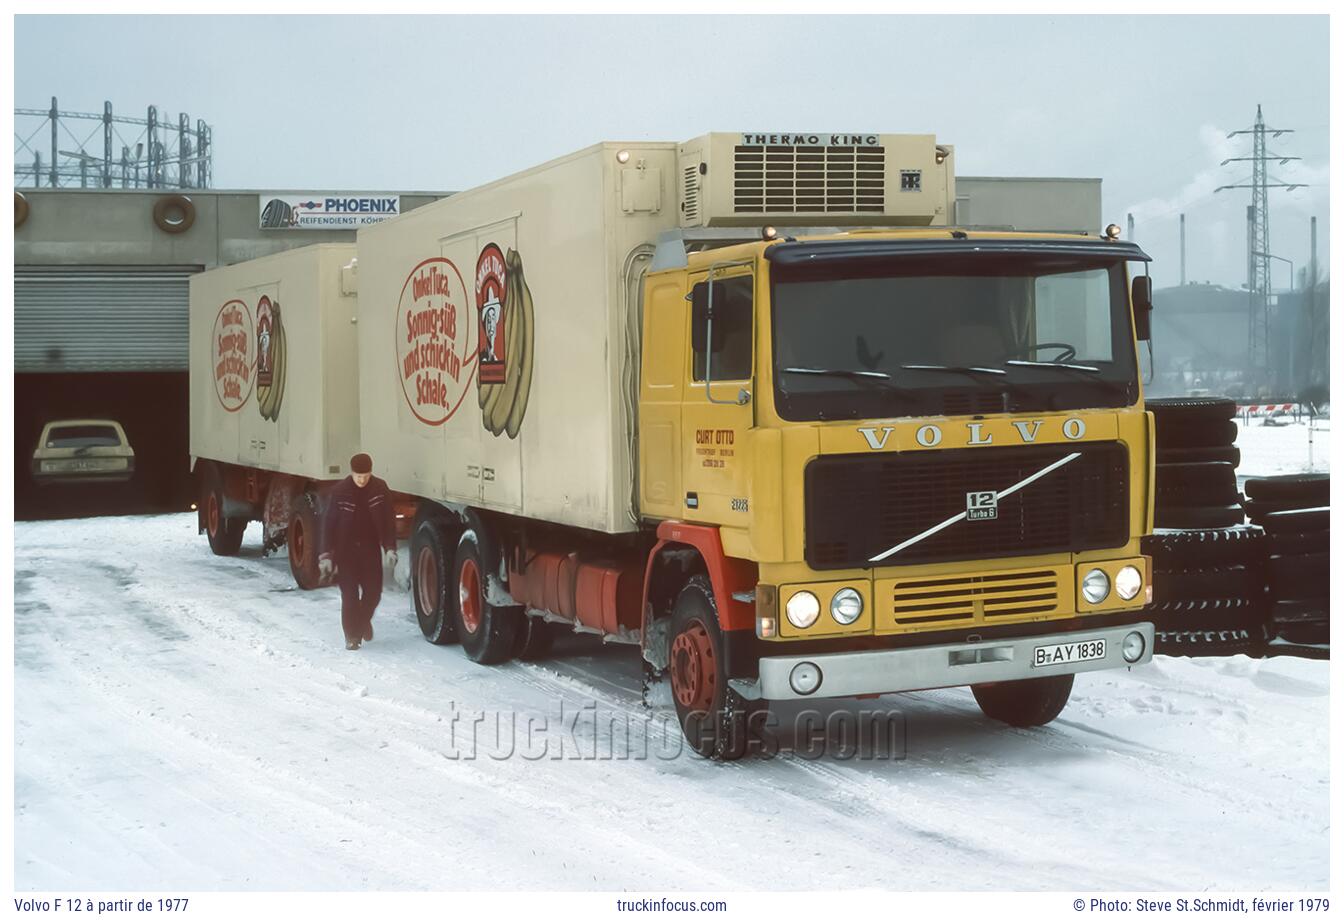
[{"x": 360, "y": 538}]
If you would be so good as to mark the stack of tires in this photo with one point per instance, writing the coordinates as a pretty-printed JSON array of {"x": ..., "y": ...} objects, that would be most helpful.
[
  {"x": 1196, "y": 463},
  {"x": 1294, "y": 512},
  {"x": 1207, "y": 582}
]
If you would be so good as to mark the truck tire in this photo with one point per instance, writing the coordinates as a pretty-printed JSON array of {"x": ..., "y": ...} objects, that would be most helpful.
[
  {"x": 1229, "y": 581},
  {"x": 302, "y": 543},
  {"x": 1025, "y": 703},
  {"x": 1196, "y": 484},
  {"x": 225, "y": 534},
  {"x": 1191, "y": 408},
  {"x": 1230, "y": 455},
  {"x": 1201, "y": 518},
  {"x": 1196, "y": 433},
  {"x": 1201, "y": 643},
  {"x": 1200, "y": 548},
  {"x": 431, "y": 582},
  {"x": 714, "y": 717},
  {"x": 1300, "y": 490},
  {"x": 535, "y": 639},
  {"x": 1307, "y": 520},
  {"x": 1299, "y": 577},
  {"x": 487, "y": 633},
  {"x": 1297, "y": 544}
]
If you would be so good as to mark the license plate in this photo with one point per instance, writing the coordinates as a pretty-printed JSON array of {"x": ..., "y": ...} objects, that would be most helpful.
[
  {"x": 83, "y": 466},
  {"x": 1045, "y": 656}
]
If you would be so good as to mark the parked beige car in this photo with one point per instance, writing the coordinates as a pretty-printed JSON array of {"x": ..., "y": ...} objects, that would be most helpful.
[{"x": 83, "y": 450}]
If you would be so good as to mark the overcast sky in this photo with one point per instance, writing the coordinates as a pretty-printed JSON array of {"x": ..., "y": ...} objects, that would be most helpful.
[{"x": 405, "y": 103}]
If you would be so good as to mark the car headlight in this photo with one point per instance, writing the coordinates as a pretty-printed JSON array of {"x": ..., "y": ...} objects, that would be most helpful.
[
  {"x": 846, "y": 606},
  {"x": 1096, "y": 586},
  {"x": 803, "y": 609},
  {"x": 1128, "y": 581}
]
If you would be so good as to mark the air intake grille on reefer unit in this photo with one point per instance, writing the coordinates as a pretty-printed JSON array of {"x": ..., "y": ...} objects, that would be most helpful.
[
  {"x": 690, "y": 201},
  {"x": 808, "y": 180}
]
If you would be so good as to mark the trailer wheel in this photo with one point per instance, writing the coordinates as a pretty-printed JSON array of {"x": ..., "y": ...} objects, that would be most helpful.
[
  {"x": 301, "y": 541},
  {"x": 487, "y": 633},
  {"x": 715, "y": 719},
  {"x": 1025, "y": 703},
  {"x": 225, "y": 534},
  {"x": 431, "y": 567},
  {"x": 1230, "y": 455}
]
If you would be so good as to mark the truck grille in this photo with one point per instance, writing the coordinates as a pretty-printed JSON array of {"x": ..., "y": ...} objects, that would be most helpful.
[
  {"x": 965, "y": 599},
  {"x": 859, "y": 506},
  {"x": 809, "y": 180}
]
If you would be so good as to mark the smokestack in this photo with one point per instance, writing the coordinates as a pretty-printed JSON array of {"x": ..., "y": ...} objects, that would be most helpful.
[
  {"x": 1182, "y": 250},
  {"x": 1130, "y": 221},
  {"x": 1312, "y": 282}
]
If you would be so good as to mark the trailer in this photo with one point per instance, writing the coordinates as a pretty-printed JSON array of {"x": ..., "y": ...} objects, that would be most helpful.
[{"x": 753, "y": 403}]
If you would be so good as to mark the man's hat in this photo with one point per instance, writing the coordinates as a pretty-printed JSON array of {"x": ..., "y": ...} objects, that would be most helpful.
[{"x": 361, "y": 463}]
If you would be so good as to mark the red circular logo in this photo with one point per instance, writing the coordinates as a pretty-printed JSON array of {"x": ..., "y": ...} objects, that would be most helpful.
[
  {"x": 230, "y": 351},
  {"x": 435, "y": 338}
]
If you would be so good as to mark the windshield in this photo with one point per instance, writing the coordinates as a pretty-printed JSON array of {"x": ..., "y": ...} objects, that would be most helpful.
[{"x": 968, "y": 333}]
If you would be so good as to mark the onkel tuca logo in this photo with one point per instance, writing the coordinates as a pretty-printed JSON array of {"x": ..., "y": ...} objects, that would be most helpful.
[
  {"x": 231, "y": 355},
  {"x": 435, "y": 341},
  {"x": 506, "y": 330}
]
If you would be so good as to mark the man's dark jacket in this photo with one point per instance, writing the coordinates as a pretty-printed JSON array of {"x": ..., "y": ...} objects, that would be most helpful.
[{"x": 339, "y": 534}]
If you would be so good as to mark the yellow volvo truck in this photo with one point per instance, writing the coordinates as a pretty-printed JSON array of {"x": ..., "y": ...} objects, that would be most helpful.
[{"x": 752, "y": 403}]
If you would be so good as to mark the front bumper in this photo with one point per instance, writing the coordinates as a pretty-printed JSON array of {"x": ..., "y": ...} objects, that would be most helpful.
[{"x": 928, "y": 667}]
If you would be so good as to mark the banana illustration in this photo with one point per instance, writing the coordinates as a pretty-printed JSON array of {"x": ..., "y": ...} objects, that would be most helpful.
[
  {"x": 513, "y": 337},
  {"x": 269, "y": 397},
  {"x": 281, "y": 363},
  {"x": 527, "y": 322}
]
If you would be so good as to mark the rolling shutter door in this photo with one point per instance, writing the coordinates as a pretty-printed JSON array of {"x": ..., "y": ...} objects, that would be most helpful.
[{"x": 89, "y": 319}]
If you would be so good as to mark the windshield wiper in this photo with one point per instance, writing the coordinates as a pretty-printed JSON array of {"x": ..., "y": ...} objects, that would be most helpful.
[
  {"x": 839, "y": 372},
  {"x": 954, "y": 368},
  {"x": 1073, "y": 367}
]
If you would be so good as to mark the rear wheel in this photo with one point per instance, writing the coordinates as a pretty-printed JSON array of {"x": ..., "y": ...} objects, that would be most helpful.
[
  {"x": 715, "y": 718},
  {"x": 431, "y": 582},
  {"x": 1025, "y": 703},
  {"x": 488, "y": 633},
  {"x": 225, "y": 534},
  {"x": 301, "y": 542}
]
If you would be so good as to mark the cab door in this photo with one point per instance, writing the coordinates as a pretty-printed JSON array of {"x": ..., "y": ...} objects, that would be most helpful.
[{"x": 717, "y": 401}]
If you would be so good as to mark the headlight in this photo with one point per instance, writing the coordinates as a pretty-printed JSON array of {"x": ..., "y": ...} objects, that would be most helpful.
[
  {"x": 846, "y": 606},
  {"x": 1128, "y": 581},
  {"x": 1096, "y": 586},
  {"x": 803, "y": 609}
]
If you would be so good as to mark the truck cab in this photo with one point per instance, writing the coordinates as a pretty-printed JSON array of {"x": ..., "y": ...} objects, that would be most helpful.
[{"x": 928, "y": 443}]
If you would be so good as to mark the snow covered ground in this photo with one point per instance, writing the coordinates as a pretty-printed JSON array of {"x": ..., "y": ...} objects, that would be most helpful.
[{"x": 184, "y": 721}]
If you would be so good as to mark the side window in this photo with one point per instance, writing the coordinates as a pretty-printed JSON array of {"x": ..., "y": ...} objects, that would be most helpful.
[{"x": 730, "y": 352}]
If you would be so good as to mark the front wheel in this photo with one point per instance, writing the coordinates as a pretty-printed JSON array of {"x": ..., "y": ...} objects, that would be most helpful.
[
  {"x": 1025, "y": 703},
  {"x": 715, "y": 718}
]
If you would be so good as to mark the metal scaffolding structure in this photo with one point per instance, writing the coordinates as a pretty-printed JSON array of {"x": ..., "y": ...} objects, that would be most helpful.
[
  {"x": 1258, "y": 252},
  {"x": 163, "y": 151}
]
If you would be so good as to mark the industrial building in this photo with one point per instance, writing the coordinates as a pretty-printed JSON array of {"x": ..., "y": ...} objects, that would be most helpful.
[{"x": 100, "y": 304}]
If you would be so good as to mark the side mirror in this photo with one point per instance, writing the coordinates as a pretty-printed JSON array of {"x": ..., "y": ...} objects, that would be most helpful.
[{"x": 1141, "y": 295}]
